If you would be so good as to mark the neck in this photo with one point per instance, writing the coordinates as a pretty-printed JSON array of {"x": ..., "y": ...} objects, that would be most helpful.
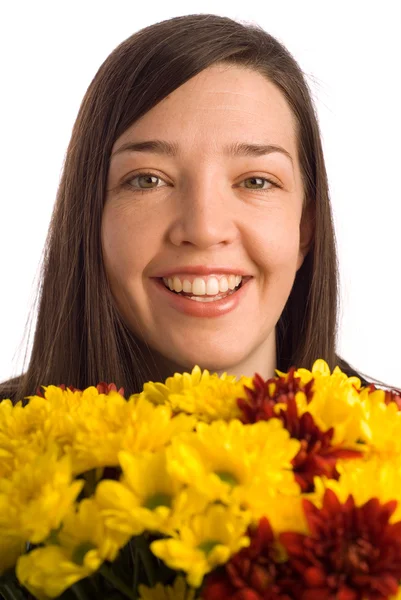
[{"x": 261, "y": 361}]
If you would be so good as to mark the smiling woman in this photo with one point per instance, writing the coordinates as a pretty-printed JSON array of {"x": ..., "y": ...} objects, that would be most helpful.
[
  {"x": 192, "y": 223},
  {"x": 215, "y": 199}
]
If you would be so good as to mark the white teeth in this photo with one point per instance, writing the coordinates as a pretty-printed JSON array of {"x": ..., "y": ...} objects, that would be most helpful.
[
  {"x": 211, "y": 298},
  {"x": 177, "y": 285},
  {"x": 198, "y": 287},
  {"x": 186, "y": 286},
  {"x": 210, "y": 286},
  {"x": 232, "y": 281},
  {"x": 223, "y": 284}
]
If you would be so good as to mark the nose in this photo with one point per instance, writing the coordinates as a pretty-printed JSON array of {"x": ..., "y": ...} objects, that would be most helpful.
[{"x": 205, "y": 213}]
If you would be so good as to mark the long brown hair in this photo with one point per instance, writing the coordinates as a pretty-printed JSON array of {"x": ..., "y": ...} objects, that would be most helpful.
[{"x": 80, "y": 338}]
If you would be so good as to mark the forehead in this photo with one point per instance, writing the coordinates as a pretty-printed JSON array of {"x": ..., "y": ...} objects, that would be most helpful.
[{"x": 222, "y": 103}]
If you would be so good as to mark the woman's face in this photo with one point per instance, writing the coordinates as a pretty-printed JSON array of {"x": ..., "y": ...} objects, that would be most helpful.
[{"x": 205, "y": 207}]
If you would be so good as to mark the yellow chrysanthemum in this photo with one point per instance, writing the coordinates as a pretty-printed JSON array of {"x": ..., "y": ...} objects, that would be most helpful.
[
  {"x": 100, "y": 422},
  {"x": 208, "y": 540},
  {"x": 88, "y": 425},
  {"x": 82, "y": 546},
  {"x": 321, "y": 370},
  {"x": 207, "y": 396},
  {"x": 373, "y": 478},
  {"x": 147, "y": 497},
  {"x": 335, "y": 403},
  {"x": 37, "y": 496},
  {"x": 79, "y": 420},
  {"x": 24, "y": 433},
  {"x": 178, "y": 591},
  {"x": 224, "y": 460},
  {"x": 93, "y": 427},
  {"x": 152, "y": 427},
  {"x": 284, "y": 511},
  {"x": 382, "y": 425}
]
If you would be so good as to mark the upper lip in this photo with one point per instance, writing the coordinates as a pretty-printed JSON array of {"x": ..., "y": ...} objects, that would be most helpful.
[{"x": 202, "y": 270}]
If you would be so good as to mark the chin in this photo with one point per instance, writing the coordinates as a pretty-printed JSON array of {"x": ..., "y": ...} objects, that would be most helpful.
[{"x": 207, "y": 359}]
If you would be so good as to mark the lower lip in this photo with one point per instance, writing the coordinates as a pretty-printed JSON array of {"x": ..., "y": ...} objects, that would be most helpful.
[{"x": 201, "y": 309}]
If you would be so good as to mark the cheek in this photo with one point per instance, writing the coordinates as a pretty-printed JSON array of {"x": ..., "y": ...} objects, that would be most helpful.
[
  {"x": 275, "y": 243},
  {"x": 121, "y": 246}
]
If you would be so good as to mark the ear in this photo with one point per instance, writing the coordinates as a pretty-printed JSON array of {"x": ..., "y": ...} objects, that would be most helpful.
[{"x": 306, "y": 233}]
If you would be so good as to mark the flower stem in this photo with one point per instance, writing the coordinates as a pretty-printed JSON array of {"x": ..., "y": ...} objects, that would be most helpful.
[
  {"x": 7, "y": 594},
  {"x": 134, "y": 557},
  {"x": 78, "y": 591},
  {"x": 118, "y": 584},
  {"x": 146, "y": 556}
]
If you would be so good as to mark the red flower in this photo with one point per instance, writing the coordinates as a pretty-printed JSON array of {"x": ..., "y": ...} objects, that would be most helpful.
[
  {"x": 259, "y": 406},
  {"x": 352, "y": 553},
  {"x": 102, "y": 388},
  {"x": 317, "y": 456},
  {"x": 253, "y": 573},
  {"x": 105, "y": 388}
]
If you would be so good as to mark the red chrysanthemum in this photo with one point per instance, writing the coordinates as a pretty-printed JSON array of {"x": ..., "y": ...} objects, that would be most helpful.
[
  {"x": 317, "y": 456},
  {"x": 351, "y": 553},
  {"x": 102, "y": 388},
  {"x": 260, "y": 403},
  {"x": 254, "y": 573}
]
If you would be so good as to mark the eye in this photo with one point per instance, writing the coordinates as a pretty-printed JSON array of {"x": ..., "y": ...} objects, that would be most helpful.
[
  {"x": 143, "y": 179},
  {"x": 147, "y": 180},
  {"x": 256, "y": 179}
]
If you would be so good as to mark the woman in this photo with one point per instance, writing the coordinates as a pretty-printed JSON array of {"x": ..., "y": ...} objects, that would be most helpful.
[{"x": 142, "y": 240}]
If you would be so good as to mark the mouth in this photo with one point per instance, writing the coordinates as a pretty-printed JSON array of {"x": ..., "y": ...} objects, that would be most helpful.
[
  {"x": 205, "y": 297},
  {"x": 201, "y": 305}
]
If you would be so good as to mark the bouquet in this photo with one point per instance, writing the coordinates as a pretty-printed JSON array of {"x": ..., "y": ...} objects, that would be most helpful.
[{"x": 203, "y": 487}]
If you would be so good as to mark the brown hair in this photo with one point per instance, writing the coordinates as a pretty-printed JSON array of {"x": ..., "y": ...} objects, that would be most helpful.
[{"x": 80, "y": 338}]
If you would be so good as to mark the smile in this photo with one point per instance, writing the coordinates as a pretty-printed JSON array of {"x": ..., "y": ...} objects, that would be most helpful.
[
  {"x": 202, "y": 305},
  {"x": 215, "y": 286}
]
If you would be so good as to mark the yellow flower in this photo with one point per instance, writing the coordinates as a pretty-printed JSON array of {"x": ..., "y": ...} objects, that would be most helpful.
[
  {"x": 208, "y": 540},
  {"x": 205, "y": 395},
  {"x": 151, "y": 427},
  {"x": 225, "y": 460},
  {"x": 46, "y": 572},
  {"x": 147, "y": 498},
  {"x": 37, "y": 496},
  {"x": 23, "y": 433},
  {"x": 93, "y": 427},
  {"x": 89, "y": 425},
  {"x": 364, "y": 479},
  {"x": 335, "y": 403},
  {"x": 82, "y": 546},
  {"x": 284, "y": 511},
  {"x": 321, "y": 371},
  {"x": 100, "y": 424},
  {"x": 178, "y": 591},
  {"x": 383, "y": 425}
]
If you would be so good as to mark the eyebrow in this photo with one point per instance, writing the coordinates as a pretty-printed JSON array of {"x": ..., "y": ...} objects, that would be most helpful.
[{"x": 172, "y": 148}]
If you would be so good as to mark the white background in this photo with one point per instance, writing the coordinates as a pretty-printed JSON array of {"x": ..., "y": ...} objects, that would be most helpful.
[{"x": 350, "y": 51}]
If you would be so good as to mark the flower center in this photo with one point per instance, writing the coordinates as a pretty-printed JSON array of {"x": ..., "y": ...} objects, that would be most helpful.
[{"x": 158, "y": 500}]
